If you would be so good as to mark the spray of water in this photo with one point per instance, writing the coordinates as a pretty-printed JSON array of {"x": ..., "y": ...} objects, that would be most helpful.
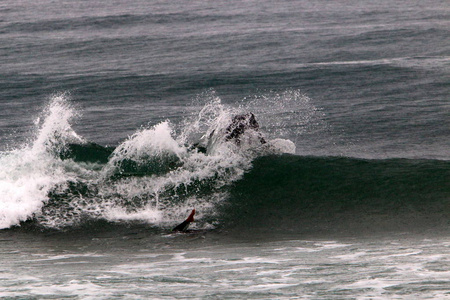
[
  {"x": 287, "y": 114},
  {"x": 29, "y": 172},
  {"x": 157, "y": 175}
]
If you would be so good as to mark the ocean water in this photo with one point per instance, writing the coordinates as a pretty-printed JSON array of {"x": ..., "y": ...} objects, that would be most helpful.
[{"x": 114, "y": 120}]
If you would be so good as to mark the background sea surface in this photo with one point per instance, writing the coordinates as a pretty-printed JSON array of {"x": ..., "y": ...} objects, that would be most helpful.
[{"x": 113, "y": 125}]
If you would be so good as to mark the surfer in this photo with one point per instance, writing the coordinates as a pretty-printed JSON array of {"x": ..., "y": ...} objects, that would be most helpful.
[
  {"x": 185, "y": 224},
  {"x": 241, "y": 123}
]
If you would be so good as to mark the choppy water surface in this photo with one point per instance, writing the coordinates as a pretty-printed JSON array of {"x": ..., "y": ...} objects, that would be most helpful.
[{"x": 133, "y": 266}]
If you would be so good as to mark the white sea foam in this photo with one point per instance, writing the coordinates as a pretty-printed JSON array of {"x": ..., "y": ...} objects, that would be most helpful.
[
  {"x": 154, "y": 142},
  {"x": 28, "y": 173},
  {"x": 149, "y": 215},
  {"x": 156, "y": 175},
  {"x": 223, "y": 163}
]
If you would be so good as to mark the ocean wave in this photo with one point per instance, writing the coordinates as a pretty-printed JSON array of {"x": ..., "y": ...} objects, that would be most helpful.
[
  {"x": 60, "y": 180},
  {"x": 249, "y": 180}
]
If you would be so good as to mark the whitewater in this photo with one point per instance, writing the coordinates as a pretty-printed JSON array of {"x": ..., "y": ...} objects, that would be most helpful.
[{"x": 152, "y": 176}]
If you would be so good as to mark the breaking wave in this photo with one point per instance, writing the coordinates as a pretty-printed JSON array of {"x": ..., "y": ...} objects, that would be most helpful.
[{"x": 60, "y": 180}]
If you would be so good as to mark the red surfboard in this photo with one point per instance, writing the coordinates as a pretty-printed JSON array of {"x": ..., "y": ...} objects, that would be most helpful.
[{"x": 184, "y": 226}]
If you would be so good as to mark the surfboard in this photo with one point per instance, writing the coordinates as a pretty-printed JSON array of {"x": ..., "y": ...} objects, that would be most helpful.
[{"x": 183, "y": 226}]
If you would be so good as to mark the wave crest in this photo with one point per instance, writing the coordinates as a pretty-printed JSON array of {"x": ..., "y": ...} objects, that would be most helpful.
[{"x": 155, "y": 176}]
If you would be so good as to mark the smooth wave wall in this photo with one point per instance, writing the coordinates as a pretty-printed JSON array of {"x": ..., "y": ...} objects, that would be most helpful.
[{"x": 334, "y": 194}]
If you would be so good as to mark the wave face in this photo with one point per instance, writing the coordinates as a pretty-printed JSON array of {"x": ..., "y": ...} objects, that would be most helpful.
[
  {"x": 60, "y": 180},
  {"x": 295, "y": 194}
]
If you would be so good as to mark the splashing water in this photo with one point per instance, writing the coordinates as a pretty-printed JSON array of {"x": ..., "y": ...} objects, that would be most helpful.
[
  {"x": 56, "y": 131},
  {"x": 286, "y": 114},
  {"x": 28, "y": 174},
  {"x": 154, "y": 176}
]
